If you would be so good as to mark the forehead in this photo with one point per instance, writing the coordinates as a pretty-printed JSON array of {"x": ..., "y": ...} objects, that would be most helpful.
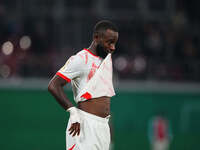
[{"x": 110, "y": 34}]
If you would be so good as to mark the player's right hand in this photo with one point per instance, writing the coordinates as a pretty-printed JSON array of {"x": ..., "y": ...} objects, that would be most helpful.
[
  {"x": 75, "y": 121},
  {"x": 74, "y": 129}
]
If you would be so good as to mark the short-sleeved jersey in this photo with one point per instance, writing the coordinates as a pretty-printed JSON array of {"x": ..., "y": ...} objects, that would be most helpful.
[{"x": 79, "y": 69}]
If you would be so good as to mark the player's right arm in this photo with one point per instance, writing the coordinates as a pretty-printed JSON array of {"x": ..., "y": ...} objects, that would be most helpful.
[
  {"x": 71, "y": 70},
  {"x": 55, "y": 87}
]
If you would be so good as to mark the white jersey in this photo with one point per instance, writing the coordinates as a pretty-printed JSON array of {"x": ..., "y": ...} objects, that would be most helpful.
[{"x": 79, "y": 69}]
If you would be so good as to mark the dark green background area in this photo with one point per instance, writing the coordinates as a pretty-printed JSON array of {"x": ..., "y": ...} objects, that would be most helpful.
[{"x": 32, "y": 119}]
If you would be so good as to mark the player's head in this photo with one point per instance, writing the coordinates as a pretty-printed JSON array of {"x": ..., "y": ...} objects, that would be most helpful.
[{"x": 105, "y": 35}]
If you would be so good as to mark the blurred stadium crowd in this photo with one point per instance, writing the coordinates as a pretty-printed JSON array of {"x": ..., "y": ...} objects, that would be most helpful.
[{"x": 159, "y": 40}]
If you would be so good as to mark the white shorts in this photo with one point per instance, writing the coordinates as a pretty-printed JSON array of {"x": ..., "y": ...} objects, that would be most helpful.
[{"x": 94, "y": 133}]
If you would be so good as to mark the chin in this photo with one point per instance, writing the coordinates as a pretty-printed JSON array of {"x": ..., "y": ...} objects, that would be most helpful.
[
  {"x": 101, "y": 51},
  {"x": 111, "y": 51}
]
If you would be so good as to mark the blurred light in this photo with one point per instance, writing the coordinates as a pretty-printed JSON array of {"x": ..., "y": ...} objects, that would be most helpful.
[
  {"x": 7, "y": 48},
  {"x": 5, "y": 71},
  {"x": 25, "y": 42},
  {"x": 139, "y": 64},
  {"x": 120, "y": 63}
]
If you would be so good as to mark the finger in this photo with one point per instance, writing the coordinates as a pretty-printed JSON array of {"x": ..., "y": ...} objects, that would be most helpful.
[
  {"x": 72, "y": 128},
  {"x": 72, "y": 131},
  {"x": 75, "y": 130},
  {"x": 78, "y": 130},
  {"x": 77, "y": 127}
]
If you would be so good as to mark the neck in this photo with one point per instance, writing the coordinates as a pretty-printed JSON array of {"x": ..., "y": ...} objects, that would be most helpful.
[{"x": 92, "y": 48}]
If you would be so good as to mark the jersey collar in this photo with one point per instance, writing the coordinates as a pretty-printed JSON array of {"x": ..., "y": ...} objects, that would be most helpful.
[{"x": 88, "y": 50}]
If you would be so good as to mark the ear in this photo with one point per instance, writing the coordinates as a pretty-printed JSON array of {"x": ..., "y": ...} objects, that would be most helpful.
[{"x": 96, "y": 37}]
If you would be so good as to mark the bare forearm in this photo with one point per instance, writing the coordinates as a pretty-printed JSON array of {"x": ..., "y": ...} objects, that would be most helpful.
[{"x": 61, "y": 98}]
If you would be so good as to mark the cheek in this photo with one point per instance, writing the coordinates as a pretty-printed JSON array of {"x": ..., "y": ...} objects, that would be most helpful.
[{"x": 106, "y": 45}]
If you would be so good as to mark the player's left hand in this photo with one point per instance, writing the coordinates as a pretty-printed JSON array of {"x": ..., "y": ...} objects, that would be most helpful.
[{"x": 74, "y": 129}]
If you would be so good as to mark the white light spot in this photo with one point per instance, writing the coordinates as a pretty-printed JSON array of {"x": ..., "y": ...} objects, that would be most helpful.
[
  {"x": 25, "y": 42},
  {"x": 139, "y": 64},
  {"x": 120, "y": 63},
  {"x": 7, "y": 48}
]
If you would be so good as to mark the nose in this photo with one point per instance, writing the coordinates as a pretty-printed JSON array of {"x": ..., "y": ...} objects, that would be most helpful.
[{"x": 112, "y": 47}]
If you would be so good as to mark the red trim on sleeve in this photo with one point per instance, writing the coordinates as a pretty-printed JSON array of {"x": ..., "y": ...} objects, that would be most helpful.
[
  {"x": 87, "y": 96},
  {"x": 62, "y": 76},
  {"x": 90, "y": 52}
]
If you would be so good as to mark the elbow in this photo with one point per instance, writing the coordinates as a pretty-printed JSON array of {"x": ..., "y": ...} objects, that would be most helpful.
[
  {"x": 51, "y": 87},
  {"x": 54, "y": 86}
]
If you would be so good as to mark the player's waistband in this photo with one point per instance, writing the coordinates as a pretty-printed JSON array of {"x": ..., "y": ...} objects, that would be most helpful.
[{"x": 94, "y": 117}]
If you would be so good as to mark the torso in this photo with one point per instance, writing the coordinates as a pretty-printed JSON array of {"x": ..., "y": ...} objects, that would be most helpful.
[
  {"x": 85, "y": 65},
  {"x": 79, "y": 69},
  {"x": 97, "y": 106}
]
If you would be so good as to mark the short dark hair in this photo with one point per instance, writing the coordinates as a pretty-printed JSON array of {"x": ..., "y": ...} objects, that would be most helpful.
[{"x": 103, "y": 25}]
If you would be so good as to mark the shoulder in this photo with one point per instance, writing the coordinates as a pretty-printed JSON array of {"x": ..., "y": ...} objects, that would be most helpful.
[
  {"x": 77, "y": 57},
  {"x": 83, "y": 55}
]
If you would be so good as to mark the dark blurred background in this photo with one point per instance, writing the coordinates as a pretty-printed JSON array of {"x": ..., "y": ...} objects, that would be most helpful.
[
  {"x": 159, "y": 40},
  {"x": 156, "y": 70}
]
